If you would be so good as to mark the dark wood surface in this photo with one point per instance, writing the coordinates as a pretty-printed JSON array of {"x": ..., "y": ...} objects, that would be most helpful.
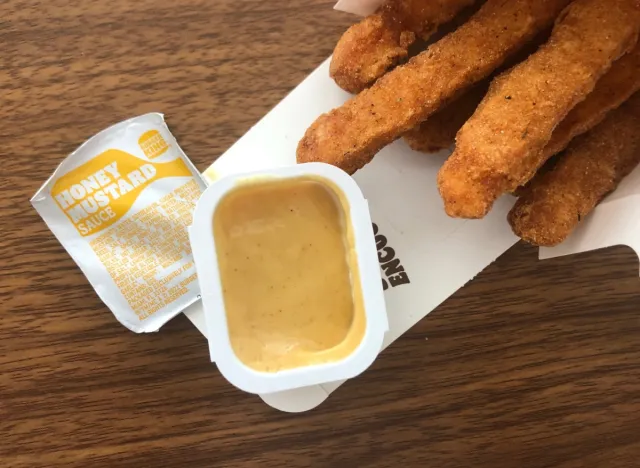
[{"x": 533, "y": 364}]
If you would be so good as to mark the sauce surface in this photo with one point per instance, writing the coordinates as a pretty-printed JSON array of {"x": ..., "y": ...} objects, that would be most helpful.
[{"x": 286, "y": 263}]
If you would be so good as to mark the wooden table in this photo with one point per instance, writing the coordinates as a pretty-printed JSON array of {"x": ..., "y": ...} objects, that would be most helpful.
[{"x": 533, "y": 364}]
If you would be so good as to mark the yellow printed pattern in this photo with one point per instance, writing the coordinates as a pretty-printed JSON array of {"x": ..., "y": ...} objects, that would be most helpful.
[
  {"x": 143, "y": 254},
  {"x": 152, "y": 144},
  {"x": 101, "y": 191}
]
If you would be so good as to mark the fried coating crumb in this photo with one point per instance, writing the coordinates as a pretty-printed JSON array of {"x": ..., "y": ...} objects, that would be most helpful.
[
  {"x": 368, "y": 49},
  {"x": 500, "y": 147},
  {"x": 615, "y": 87},
  {"x": 350, "y": 136},
  {"x": 557, "y": 200},
  {"x": 439, "y": 131}
]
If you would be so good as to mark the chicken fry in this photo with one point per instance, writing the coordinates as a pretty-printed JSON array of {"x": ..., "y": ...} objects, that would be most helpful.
[
  {"x": 371, "y": 47},
  {"x": 500, "y": 147},
  {"x": 438, "y": 132},
  {"x": 593, "y": 165},
  {"x": 615, "y": 87},
  {"x": 621, "y": 81},
  {"x": 350, "y": 136}
]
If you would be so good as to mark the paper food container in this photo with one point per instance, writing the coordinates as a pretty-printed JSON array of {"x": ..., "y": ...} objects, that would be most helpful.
[{"x": 424, "y": 255}]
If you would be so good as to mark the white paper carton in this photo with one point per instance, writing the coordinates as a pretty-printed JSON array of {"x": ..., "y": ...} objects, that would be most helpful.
[
  {"x": 437, "y": 254},
  {"x": 426, "y": 256}
]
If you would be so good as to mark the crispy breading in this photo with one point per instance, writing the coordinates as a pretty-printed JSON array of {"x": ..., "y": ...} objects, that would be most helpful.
[
  {"x": 350, "y": 136},
  {"x": 615, "y": 87},
  {"x": 439, "y": 131},
  {"x": 621, "y": 81},
  {"x": 368, "y": 49},
  {"x": 593, "y": 165},
  {"x": 500, "y": 146}
]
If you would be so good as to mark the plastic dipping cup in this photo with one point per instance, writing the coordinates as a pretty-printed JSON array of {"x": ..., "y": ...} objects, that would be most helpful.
[{"x": 289, "y": 277}]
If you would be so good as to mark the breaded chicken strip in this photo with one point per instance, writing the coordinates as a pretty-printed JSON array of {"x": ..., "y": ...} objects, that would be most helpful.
[
  {"x": 621, "y": 81},
  {"x": 371, "y": 47},
  {"x": 593, "y": 165},
  {"x": 349, "y": 136},
  {"x": 615, "y": 87},
  {"x": 439, "y": 131},
  {"x": 501, "y": 146}
]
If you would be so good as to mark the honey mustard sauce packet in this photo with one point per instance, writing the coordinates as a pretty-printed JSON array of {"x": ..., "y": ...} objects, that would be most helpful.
[{"x": 120, "y": 205}]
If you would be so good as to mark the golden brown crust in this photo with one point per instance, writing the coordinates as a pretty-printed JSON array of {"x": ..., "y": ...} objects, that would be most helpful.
[
  {"x": 349, "y": 136},
  {"x": 500, "y": 147},
  {"x": 615, "y": 87},
  {"x": 557, "y": 200},
  {"x": 621, "y": 81},
  {"x": 438, "y": 132},
  {"x": 368, "y": 49}
]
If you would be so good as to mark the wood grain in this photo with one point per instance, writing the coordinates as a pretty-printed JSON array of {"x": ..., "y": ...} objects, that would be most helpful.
[{"x": 533, "y": 364}]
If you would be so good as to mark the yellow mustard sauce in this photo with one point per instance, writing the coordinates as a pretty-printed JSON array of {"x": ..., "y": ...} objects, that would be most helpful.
[{"x": 286, "y": 260}]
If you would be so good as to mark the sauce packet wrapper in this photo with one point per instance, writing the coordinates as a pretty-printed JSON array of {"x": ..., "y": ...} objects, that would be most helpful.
[{"x": 120, "y": 205}]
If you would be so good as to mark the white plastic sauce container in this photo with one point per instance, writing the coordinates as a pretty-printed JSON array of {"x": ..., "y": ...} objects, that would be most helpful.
[{"x": 368, "y": 323}]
